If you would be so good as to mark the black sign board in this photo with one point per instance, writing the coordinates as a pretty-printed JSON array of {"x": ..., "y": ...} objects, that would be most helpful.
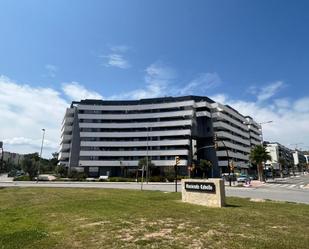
[{"x": 207, "y": 187}]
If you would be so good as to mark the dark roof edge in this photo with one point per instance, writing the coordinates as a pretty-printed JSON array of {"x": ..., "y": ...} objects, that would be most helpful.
[{"x": 142, "y": 101}]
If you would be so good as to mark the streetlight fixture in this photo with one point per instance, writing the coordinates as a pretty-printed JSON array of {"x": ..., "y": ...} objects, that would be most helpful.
[
  {"x": 37, "y": 179},
  {"x": 262, "y": 123}
]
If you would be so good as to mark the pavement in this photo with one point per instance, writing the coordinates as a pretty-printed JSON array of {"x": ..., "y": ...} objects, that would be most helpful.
[
  {"x": 294, "y": 190},
  {"x": 5, "y": 178}
]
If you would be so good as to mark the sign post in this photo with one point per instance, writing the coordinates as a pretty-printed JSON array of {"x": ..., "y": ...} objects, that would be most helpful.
[{"x": 210, "y": 192}]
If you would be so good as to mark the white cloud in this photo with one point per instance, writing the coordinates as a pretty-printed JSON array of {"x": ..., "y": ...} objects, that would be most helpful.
[
  {"x": 120, "y": 48},
  {"x": 200, "y": 84},
  {"x": 51, "y": 70},
  {"x": 302, "y": 105},
  {"x": 116, "y": 60},
  {"x": 25, "y": 110},
  {"x": 221, "y": 98},
  {"x": 268, "y": 91},
  {"x": 157, "y": 78},
  {"x": 282, "y": 103},
  {"x": 35, "y": 143},
  {"x": 76, "y": 91},
  {"x": 290, "y": 125}
]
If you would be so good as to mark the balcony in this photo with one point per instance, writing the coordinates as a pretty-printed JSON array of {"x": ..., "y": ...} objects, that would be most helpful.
[
  {"x": 224, "y": 134},
  {"x": 133, "y": 163},
  {"x": 220, "y": 124},
  {"x": 65, "y": 147},
  {"x": 63, "y": 155},
  {"x": 233, "y": 155},
  {"x": 135, "y": 153},
  {"x": 135, "y": 143},
  {"x": 66, "y": 138},
  {"x": 137, "y": 116},
  {"x": 137, "y": 134}
]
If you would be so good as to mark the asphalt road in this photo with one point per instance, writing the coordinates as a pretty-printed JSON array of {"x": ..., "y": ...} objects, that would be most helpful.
[{"x": 266, "y": 191}]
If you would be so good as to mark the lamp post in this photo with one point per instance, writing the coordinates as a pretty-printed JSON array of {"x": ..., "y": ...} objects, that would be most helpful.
[
  {"x": 147, "y": 148},
  {"x": 143, "y": 167},
  {"x": 37, "y": 179},
  {"x": 261, "y": 124},
  {"x": 1, "y": 159}
]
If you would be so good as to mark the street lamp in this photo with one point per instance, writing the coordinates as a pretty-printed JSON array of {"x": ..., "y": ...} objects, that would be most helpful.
[
  {"x": 37, "y": 179},
  {"x": 262, "y": 123},
  {"x": 143, "y": 168}
]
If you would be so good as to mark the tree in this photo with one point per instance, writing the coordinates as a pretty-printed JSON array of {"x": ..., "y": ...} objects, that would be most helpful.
[
  {"x": 30, "y": 165},
  {"x": 204, "y": 166},
  {"x": 62, "y": 170},
  {"x": 283, "y": 165},
  {"x": 259, "y": 155},
  {"x": 142, "y": 164}
]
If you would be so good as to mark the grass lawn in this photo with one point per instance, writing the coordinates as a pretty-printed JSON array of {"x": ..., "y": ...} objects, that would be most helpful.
[{"x": 97, "y": 218}]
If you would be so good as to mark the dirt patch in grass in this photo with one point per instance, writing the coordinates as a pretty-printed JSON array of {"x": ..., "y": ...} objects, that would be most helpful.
[{"x": 97, "y": 223}]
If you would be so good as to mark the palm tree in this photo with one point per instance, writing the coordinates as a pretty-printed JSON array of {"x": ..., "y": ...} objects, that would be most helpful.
[
  {"x": 259, "y": 155},
  {"x": 283, "y": 164}
]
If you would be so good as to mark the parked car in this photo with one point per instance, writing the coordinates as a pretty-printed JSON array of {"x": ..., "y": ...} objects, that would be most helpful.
[
  {"x": 14, "y": 173},
  {"x": 243, "y": 178},
  {"x": 253, "y": 177},
  {"x": 269, "y": 174},
  {"x": 46, "y": 178},
  {"x": 225, "y": 176}
]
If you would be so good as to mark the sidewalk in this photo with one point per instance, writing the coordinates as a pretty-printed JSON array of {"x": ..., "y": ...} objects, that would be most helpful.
[
  {"x": 5, "y": 178},
  {"x": 256, "y": 183}
]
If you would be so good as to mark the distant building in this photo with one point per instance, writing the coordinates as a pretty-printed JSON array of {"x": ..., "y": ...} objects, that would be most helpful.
[
  {"x": 299, "y": 160},
  {"x": 11, "y": 157},
  {"x": 278, "y": 151},
  {"x": 107, "y": 137}
]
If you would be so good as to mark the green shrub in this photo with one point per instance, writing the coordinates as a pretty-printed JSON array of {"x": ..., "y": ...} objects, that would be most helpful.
[
  {"x": 121, "y": 179},
  {"x": 77, "y": 176},
  {"x": 22, "y": 178},
  {"x": 157, "y": 179}
]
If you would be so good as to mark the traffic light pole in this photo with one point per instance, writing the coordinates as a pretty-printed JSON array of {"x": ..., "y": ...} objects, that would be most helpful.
[
  {"x": 175, "y": 167},
  {"x": 228, "y": 163},
  {"x": 177, "y": 161},
  {"x": 227, "y": 154}
]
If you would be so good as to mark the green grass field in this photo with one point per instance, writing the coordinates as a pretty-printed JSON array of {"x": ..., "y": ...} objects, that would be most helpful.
[{"x": 93, "y": 218}]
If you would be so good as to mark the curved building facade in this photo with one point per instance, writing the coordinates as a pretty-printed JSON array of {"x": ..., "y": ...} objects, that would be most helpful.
[{"x": 110, "y": 137}]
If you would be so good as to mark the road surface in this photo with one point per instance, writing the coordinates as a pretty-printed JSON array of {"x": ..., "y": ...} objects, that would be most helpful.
[{"x": 294, "y": 191}]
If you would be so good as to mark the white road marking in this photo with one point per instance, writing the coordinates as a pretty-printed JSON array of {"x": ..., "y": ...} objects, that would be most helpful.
[
  {"x": 282, "y": 185},
  {"x": 292, "y": 186}
]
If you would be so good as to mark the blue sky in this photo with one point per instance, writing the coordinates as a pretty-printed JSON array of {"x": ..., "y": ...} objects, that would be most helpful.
[{"x": 251, "y": 54}]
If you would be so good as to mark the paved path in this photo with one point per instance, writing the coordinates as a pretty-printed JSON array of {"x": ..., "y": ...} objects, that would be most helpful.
[{"x": 263, "y": 192}]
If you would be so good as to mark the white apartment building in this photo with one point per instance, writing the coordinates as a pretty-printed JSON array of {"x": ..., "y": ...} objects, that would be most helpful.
[
  {"x": 104, "y": 137},
  {"x": 277, "y": 151}
]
